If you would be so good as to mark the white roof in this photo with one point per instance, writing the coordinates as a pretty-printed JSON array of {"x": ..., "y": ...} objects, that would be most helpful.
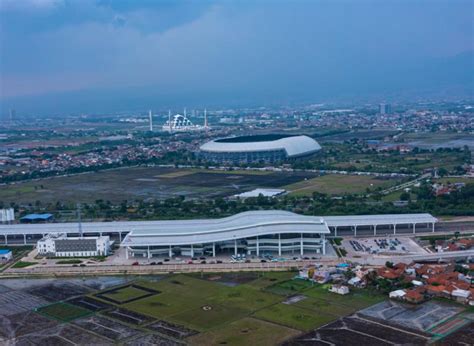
[
  {"x": 263, "y": 192},
  {"x": 128, "y": 226},
  {"x": 247, "y": 224},
  {"x": 381, "y": 219},
  {"x": 293, "y": 145},
  {"x": 397, "y": 293},
  {"x": 461, "y": 293}
]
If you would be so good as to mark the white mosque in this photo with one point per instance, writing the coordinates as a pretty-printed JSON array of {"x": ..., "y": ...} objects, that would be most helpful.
[{"x": 180, "y": 123}]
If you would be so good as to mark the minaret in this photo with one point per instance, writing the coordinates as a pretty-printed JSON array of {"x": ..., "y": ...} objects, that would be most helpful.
[
  {"x": 185, "y": 112},
  {"x": 205, "y": 119},
  {"x": 169, "y": 119},
  {"x": 151, "y": 120}
]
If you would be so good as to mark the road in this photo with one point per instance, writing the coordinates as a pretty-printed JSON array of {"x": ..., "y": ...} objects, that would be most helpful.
[{"x": 68, "y": 270}]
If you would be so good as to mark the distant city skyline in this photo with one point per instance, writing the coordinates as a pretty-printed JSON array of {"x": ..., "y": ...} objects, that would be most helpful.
[{"x": 104, "y": 55}]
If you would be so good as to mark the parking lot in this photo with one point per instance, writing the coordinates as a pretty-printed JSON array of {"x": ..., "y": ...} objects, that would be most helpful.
[{"x": 382, "y": 246}]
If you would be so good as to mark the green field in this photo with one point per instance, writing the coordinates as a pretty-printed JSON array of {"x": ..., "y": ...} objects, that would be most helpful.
[
  {"x": 246, "y": 331},
  {"x": 335, "y": 184},
  {"x": 22, "y": 264},
  {"x": 289, "y": 287},
  {"x": 63, "y": 311},
  {"x": 294, "y": 317},
  {"x": 242, "y": 308},
  {"x": 126, "y": 293}
]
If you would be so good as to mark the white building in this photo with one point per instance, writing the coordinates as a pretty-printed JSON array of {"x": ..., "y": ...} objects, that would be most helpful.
[
  {"x": 339, "y": 289},
  {"x": 181, "y": 123},
  {"x": 5, "y": 255},
  {"x": 59, "y": 245},
  {"x": 7, "y": 215},
  {"x": 258, "y": 192},
  {"x": 397, "y": 294},
  {"x": 260, "y": 233}
]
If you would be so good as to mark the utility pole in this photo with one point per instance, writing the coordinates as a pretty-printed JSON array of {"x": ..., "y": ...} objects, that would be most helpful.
[{"x": 79, "y": 222}]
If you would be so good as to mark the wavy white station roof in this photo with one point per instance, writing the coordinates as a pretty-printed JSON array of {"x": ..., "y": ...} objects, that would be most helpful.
[
  {"x": 247, "y": 224},
  {"x": 184, "y": 226},
  {"x": 293, "y": 145}
]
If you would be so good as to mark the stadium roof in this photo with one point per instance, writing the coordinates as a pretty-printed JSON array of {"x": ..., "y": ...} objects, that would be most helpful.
[{"x": 293, "y": 145}]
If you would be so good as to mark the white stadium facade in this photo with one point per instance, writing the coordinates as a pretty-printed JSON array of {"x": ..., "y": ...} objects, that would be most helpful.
[
  {"x": 258, "y": 233},
  {"x": 260, "y": 148}
]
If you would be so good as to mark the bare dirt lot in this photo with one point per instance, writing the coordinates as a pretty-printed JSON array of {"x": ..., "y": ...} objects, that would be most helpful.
[{"x": 144, "y": 182}]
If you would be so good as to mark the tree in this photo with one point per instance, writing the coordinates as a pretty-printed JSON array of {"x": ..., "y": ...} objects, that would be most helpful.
[{"x": 405, "y": 196}]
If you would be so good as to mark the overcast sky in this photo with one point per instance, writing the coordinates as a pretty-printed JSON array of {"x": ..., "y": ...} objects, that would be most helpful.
[{"x": 100, "y": 54}]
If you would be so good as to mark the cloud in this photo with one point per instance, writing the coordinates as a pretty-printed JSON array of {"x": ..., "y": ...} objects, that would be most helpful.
[
  {"x": 22, "y": 5},
  {"x": 184, "y": 48}
]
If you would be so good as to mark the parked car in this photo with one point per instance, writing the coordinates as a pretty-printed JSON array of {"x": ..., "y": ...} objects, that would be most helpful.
[{"x": 135, "y": 263}]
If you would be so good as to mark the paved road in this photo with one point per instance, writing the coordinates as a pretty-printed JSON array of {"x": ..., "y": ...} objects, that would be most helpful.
[{"x": 68, "y": 270}]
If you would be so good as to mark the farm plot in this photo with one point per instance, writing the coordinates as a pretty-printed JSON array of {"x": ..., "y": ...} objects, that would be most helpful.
[
  {"x": 90, "y": 303},
  {"x": 170, "y": 329},
  {"x": 58, "y": 291},
  {"x": 127, "y": 316},
  {"x": 126, "y": 294},
  {"x": 17, "y": 325},
  {"x": 421, "y": 317},
  {"x": 64, "y": 334},
  {"x": 63, "y": 312},
  {"x": 355, "y": 331},
  {"x": 14, "y": 302},
  {"x": 107, "y": 328},
  {"x": 153, "y": 339}
]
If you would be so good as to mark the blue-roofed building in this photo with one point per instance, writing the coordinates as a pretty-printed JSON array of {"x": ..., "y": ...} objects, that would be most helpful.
[
  {"x": 5, "y": 255},
  {"x": 34, "y": 218}
]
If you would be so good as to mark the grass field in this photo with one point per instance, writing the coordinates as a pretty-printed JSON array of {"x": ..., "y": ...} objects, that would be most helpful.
[
  {"x": 335, "y": 184},
  {"x": 246, "y": 331},
  {"x": 63, "y": 311},
  {"x": 22, "y": 264},
  {"x": 294, "y": 317},
  {"x": 289, "y": 287},
  {"x": 126, "y": 293},
  {"x": 251, "y": 310}
]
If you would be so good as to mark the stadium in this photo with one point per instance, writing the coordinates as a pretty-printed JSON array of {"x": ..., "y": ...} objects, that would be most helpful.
[{"x": 261, "y": 148}]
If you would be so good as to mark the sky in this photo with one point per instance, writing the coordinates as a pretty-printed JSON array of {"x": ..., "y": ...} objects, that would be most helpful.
[{"x": 111, "y": 55}]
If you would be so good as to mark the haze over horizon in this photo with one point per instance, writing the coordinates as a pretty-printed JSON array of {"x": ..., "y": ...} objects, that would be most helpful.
[{"x": 103, "y": 55}]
